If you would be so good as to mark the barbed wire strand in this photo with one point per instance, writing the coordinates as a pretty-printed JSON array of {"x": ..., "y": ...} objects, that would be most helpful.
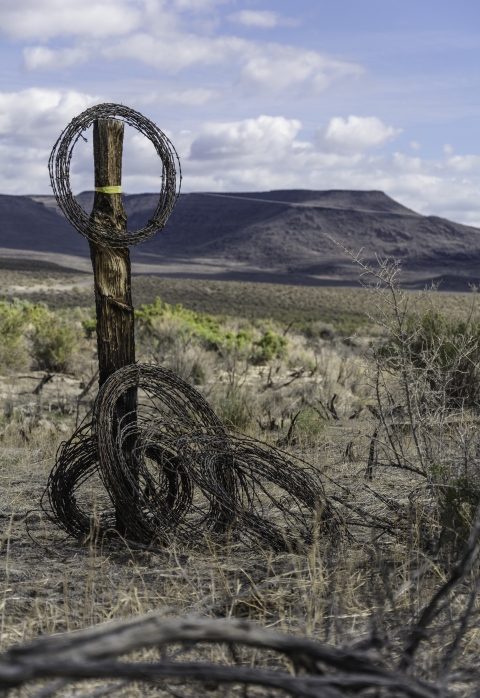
[
  {"x": 59, "y": 168},
  {"x": 185, "y": 473}
]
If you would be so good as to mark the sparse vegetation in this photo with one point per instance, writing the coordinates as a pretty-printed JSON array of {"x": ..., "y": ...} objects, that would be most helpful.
[
  {"x": 30, "y": 334},
  {"x": 13, "y": 353},
  {"x": 54, "y": 342},
  {"x": 389, "y": 416}
]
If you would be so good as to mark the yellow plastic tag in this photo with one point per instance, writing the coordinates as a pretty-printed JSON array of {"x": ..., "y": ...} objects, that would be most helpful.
[{"x": 109, "y": 190}]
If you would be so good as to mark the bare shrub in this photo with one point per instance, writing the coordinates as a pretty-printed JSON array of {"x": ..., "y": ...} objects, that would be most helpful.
[{"x": 422, "y": 377}]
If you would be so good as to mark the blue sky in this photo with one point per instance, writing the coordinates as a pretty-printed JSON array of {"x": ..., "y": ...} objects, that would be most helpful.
[{"x": 254, "y": 94}]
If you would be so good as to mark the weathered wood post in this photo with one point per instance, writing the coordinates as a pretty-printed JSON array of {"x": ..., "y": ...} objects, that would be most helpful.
[
  {"x": 112, "y": 273},
  {"x": 106, "y": 230}
]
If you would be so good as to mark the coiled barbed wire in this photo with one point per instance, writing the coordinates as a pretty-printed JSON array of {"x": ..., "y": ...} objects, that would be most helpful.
[
  {"x": 169, "y": 469},
  {"x": 184, "y": 473},
  {"x": 59, "y": 169}
]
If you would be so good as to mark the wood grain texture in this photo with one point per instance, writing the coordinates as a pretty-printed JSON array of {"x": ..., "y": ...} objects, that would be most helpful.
[
  {"x": 111, "y": 267},
  {"x": 112, "y": 278}
]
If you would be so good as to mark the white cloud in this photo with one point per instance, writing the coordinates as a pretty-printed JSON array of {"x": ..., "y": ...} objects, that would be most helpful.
[
  {"x": 464, "y": 163},
  {"x": 30, "y": 123},
  {"x": 43, "y": 58},
  {"x": 35, "y": 19},
  {"x": 173, "y": 51},
  {"x": 447, "y": 149},
  {"x": 24, "y": 169},
  {"x": 354, "y": 135},
  {"x": 415, "y": 145},
  {"x": 157, "y": 33},
  {"x": 255, "y": 138},
  {"x": 262, "y": 67},
  {"x": 261, "y": 18},
  {"x": 31, "y": 116},
  {"x": 274, "y": 67},
  {"x": 256, "y": 154}
]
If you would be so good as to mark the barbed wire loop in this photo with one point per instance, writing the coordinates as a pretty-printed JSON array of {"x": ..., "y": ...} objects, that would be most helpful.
[
  {"x": 185, "y": 474},
  {"x": 59, "y": 168}
]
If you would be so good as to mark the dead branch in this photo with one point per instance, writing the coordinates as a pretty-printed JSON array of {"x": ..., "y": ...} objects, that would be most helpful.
[{"x": 89, "y": 654}]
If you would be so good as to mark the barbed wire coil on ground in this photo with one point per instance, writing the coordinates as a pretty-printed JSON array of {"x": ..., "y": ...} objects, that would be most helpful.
[
  {"x": 183, "y": 474},
  {"x": 59, "y": 169}
]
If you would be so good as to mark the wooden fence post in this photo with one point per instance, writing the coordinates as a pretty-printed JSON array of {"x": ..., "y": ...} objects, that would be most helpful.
[{"x": 112, "y": 272}]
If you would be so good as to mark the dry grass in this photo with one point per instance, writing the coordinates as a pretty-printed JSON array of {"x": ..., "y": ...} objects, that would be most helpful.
[
  {"x": 340, "y": 591},
  {"x": 333, "y": 593},
  {"x": 337, "y": 592}
]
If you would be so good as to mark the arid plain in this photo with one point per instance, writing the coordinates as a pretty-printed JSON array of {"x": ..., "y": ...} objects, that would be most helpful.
[{"x": 313, "y": 371}]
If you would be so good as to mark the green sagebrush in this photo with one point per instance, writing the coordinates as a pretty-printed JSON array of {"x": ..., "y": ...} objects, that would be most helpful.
[
  {"x": 210, "y": 331},
  {"x": 30, "y": 334}
]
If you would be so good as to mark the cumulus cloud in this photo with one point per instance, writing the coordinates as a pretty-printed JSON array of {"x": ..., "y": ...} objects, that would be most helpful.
[
  {"x": 464, "y": 163},
  {"x": 274, "y": 67},
  {"x": 31, "y": 19},
  {"x": 36, "y": 115},
  {"x": 262, "y": 67},
  {"x": 264, "y": 19},
  {"x": 156, "y": 33},
  {"x": 23, "y": 169},
  {"x": 174, "y": 52},
  {"x": 30, "y": 122},
  {"x": 43, "y": 58},
  {"x": 355, "y": 134},
  {"x": 251, "y": 137}
]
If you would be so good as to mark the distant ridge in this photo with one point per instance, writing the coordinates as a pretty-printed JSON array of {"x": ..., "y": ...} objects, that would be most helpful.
[{"x": 282, "y": 235}]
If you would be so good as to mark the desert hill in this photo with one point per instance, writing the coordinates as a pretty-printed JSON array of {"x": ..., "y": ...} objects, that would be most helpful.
[{"x": 269, "y": 236}]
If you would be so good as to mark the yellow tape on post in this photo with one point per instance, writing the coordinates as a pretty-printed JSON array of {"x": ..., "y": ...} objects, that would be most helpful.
[{"x": 109, "y": 190}]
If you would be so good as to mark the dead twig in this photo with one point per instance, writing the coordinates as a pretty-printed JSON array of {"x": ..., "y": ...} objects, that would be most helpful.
[{"x": 330, "y": 671}]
